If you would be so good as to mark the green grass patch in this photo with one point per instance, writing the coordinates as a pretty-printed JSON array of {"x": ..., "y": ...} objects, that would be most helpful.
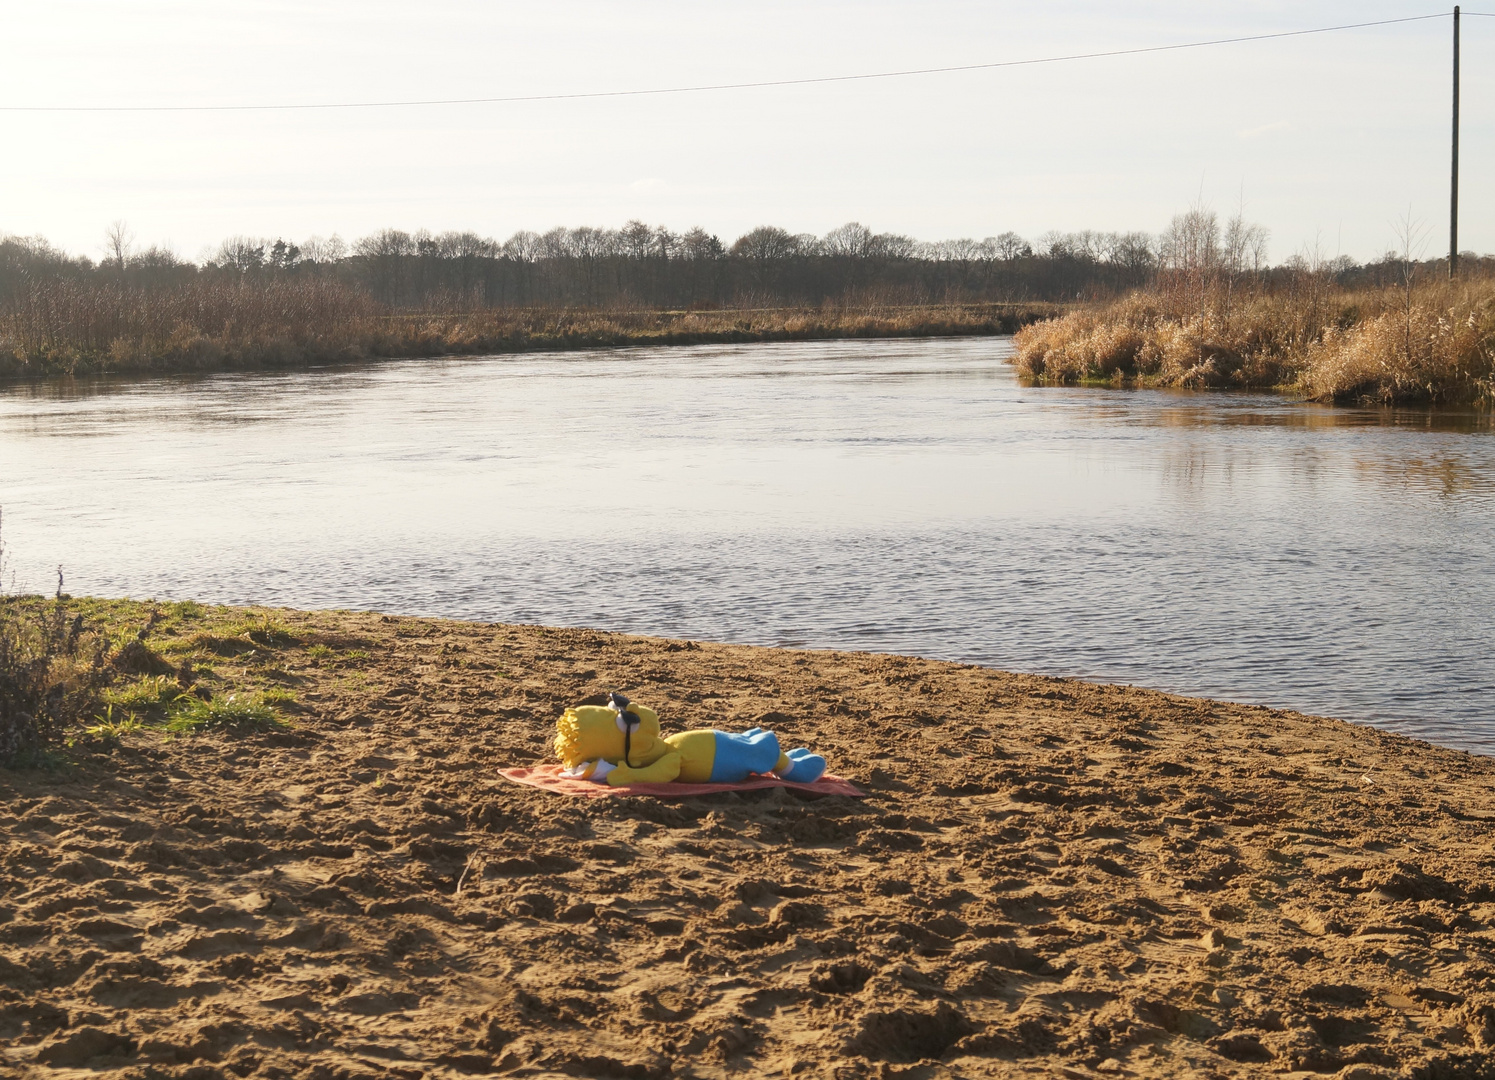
[
  {"x": 218, "y": 645},
  {"x": 112, "y": 728},
  {"x": 230, "y": 712},
  {"x": 151, "y": 695},
  {"x": 264, "y": 631}
]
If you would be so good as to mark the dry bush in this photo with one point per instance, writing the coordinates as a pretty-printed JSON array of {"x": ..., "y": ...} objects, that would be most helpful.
[
  {"x": 1432, "y": 343},
  {"x": 52, "y": 670},
  {"x": 67, "y": 326},
  {"x": 51, "y": 673},
  {"x": 1440, "y": 348}
]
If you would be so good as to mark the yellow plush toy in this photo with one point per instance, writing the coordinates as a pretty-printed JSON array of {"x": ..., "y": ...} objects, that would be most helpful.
[{"x": 619, "y": 744}]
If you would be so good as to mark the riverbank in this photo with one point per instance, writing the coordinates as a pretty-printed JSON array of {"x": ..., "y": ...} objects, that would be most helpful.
[
  {"x": 1428, "y": 344},
  {"x": 1047, "y": 875},
  {"x": 297, "y": 326}
]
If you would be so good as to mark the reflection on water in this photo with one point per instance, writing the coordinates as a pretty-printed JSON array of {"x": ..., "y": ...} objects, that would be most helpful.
[{"x": 899, "y": 496}]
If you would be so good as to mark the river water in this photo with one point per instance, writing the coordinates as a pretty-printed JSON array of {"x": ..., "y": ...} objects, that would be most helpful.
[{"x": 903, "y": 496}]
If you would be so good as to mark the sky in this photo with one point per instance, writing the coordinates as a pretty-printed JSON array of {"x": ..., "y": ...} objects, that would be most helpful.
[{"x": 1331, "y": 141}]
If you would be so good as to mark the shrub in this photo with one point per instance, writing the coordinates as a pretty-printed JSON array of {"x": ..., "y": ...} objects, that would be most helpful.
[{"x": 51, "y": 672}]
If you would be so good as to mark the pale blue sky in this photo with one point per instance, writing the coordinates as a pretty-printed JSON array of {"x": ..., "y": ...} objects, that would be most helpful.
[{"x": 1331, "y": 137}]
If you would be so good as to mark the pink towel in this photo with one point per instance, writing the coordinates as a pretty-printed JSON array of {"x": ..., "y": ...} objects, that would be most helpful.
[{"x": 549, "y": 778}]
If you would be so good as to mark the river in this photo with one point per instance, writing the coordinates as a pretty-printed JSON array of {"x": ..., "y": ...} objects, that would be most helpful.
[{"x": 898, "y": 496}]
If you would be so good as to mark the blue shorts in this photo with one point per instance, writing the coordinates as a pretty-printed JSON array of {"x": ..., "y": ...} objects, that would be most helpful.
[{"x": 739, "y": 755}]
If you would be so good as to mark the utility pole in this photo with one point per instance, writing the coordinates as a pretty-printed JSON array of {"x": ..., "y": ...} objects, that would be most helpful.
[{"x": 1453, "y": 200}]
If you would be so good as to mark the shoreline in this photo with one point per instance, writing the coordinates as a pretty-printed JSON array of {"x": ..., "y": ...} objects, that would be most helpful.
[
  {"x": 501, "y": 332},
  {"x": 1048, "y": 875}
]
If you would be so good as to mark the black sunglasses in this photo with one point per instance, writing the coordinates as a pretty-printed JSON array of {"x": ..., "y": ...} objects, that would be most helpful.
[{"x": 630, "y": 721}]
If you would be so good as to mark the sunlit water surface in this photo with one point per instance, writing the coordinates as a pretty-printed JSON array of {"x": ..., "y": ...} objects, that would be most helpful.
[{"x": 902, "y": 496}]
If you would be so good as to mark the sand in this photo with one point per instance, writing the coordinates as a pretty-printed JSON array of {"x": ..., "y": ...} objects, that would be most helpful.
[{"x": 1049, "y": 878}]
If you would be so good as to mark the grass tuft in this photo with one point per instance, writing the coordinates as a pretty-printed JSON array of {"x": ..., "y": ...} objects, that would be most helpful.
[
  {"x": 151, "y": 695},
  {"x": 218, "y": 644},
  {"x": 111, "y": 729},
  {"x": 264, "y": 631},
  {"x": 232, "y": 712}
]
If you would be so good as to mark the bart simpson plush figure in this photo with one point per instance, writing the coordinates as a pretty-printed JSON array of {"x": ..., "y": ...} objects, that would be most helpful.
[{"x": 619, "y": 744}]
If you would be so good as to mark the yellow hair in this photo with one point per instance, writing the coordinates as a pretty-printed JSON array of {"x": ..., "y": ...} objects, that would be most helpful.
[
  {"x": 568, "y": 739},
  {"x": 590, "y": 732}
]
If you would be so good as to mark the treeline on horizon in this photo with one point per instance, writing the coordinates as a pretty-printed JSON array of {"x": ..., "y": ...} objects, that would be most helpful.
[
  {"x": 636, "y": 266},
  {"x": 652, "y": 267}
]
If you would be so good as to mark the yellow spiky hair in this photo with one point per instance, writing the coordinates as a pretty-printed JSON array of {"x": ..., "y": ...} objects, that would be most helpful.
[
  {"x": 568, "y": 739},
  {"x": 589, "y": 732}
]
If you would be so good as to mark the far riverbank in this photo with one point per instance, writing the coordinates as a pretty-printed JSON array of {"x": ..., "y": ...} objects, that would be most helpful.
[{"x": 309, "y": 329}]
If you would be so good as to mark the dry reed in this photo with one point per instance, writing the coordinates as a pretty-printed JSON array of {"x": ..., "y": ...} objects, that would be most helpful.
[
  {"x": 1430, "y": 343},
  {"x": 72, "y": 327}
]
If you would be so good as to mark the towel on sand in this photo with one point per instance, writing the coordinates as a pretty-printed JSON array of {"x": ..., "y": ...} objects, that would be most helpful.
[{"x": 549, "y": 778}]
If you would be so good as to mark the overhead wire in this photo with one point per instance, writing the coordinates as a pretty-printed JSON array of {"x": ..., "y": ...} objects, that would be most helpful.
[{"x": 715, "y": 87}]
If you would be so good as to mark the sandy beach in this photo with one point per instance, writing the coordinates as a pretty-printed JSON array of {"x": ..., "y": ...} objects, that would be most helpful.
[{"x": 1047, "y": 878}]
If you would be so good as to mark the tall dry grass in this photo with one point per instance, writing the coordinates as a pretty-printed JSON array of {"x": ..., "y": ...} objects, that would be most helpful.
[
  {"x": 1430, "y": 343},
  {"x": 60, "y": 326}
]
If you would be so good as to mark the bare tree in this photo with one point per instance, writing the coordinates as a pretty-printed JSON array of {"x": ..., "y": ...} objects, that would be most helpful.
[
  {"x": 119, "y": 244},
  {"x": 314, "y": 249},
  {"x": 765, "y": 243},
  {"x": 523, "y": 247},
  {"x": 384, "y": 243},
  {"x": 555, "y": 244},
  {"x": 1189, "y": 256},
  {"x": 1191, "y": 243},
  {"x": 1411, "y": 239},
  {"x": 891, "y": 246},
  {"x": 664, "y": 243},
  {"x": 1245, "y": 245},
  {"x": 1010, "y": 246},
  {"x": 852, "y": 240},
  {"x": 636, "y": 238},
  {"x": 241, "y": 253},
  {"x": 1133, "y": 251},
  {"x": 697, "y": 243},
  {"x": 465, "y": 245}
]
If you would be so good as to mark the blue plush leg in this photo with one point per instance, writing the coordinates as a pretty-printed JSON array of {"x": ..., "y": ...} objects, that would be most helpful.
[
  {"x": 804, "y": 767},
  {"x": 738, "y": 755}
]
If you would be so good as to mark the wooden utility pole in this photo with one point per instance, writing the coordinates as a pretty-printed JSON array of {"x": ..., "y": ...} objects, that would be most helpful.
[{"x": 1453, "y": 199}]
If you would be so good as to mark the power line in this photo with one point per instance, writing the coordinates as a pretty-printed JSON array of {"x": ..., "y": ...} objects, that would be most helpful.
[{"x": 658, "y": 91}]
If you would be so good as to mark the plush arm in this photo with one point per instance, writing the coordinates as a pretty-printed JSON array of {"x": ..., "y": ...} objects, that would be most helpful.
[{"x": 660, "y": 772}]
